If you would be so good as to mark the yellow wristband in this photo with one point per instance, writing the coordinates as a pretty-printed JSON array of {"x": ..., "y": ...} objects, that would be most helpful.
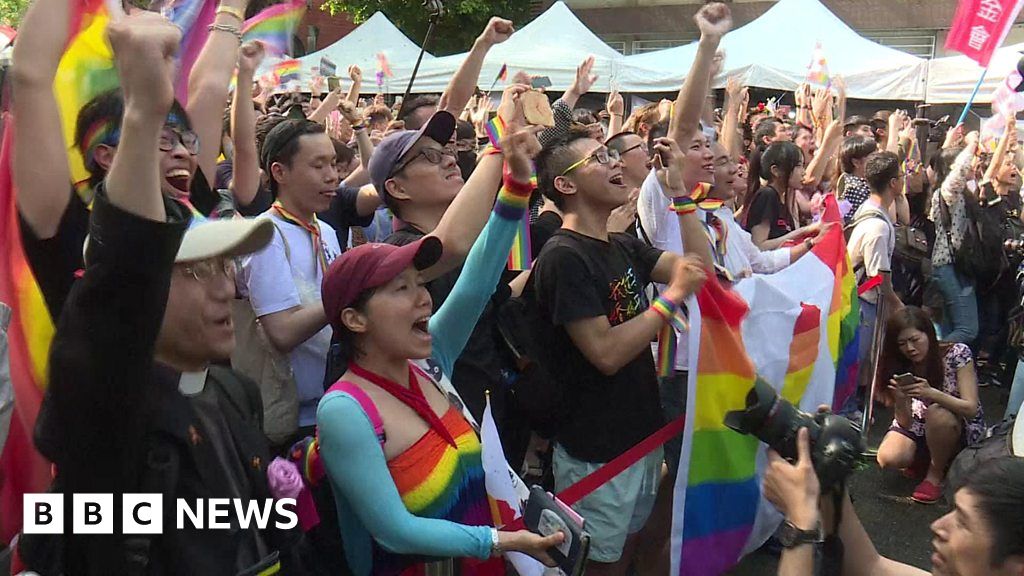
[{"x": 230, "y": 11}]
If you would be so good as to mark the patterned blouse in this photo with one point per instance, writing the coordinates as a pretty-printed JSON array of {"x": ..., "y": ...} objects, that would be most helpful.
[
  {"x": 957, "y": 356},
  {"x": 952, "y": 193},
  {"x": 855, "y": 191}
]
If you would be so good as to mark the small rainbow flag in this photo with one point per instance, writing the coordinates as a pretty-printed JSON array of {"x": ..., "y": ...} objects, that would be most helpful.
[
  {"x": 194, "y": 18},
  {"x": 275, "y": 27},
  {"x": 817, "y": 71},
  {"x": 521, "y": 256},
  {"x": 503, "y": 73},
  {"x": 383, "y": 66},
  {"x": 287, "y": 71}
]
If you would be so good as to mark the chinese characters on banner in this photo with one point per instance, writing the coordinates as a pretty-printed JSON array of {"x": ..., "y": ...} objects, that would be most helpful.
[{"x": 980, "y": 26}]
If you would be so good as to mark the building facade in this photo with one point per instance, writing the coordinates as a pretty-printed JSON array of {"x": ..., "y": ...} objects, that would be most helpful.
[{"x": 637, "y": 26}]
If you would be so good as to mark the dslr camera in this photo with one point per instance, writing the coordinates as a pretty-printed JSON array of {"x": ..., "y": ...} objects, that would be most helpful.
[{"x": 836, "y": 443}]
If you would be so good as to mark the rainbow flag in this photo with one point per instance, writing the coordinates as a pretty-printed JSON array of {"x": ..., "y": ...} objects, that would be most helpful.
[
  {"x": 719, "y": 514},
  {"x": 86, "y": 70},
  {"x": 275, "y": 27},
  {"x": 194, "y": 18},
  {"x": 22, "y": 468},
  {"x": 503, "y": 73},
  {"x": 287, "y": 71},
  {"x": 521, "y": 256},
  {"x": 383, "y": 66},
  {"x": 817, "y": 70}
]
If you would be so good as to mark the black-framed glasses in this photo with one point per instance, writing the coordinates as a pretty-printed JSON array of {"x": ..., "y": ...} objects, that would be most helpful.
[
  {"x": 169, "y": 138},
  {"x": 432, "y": 155},
  {"x": 205, "y": 270},
  {"x": 641, "y": 145},
  {"x": 601, "y": 155}
]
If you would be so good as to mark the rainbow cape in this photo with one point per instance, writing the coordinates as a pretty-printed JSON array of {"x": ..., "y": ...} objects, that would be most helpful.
[
  {"x": 790, "y": 329},
  {"x": 275, "y": 26}
]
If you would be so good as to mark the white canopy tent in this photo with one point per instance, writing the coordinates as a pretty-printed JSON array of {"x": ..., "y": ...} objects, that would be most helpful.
[
  {"x": 360, "y": 47},
  {"x": 951, "y": 80},
  {"x": 775, "y": 50},
  {"x": 552, "y": 45}
]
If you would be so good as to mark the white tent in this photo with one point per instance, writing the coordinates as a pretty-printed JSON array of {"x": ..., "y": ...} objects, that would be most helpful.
[
  {"x": 360, "y": 47},
  {"x": 552, "y": 45},
  {"x": 775, "y": 51},
  {"x": 951, "y": 80}
]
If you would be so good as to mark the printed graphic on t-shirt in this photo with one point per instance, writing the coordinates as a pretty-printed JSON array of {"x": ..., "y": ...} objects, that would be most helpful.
[{"x": 628, "y": 298}]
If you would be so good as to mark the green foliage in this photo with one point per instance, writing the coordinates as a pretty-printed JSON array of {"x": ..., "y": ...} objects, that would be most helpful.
[
  {"x": 11, "y": 11},
  {"x": 455, "y": 31}
]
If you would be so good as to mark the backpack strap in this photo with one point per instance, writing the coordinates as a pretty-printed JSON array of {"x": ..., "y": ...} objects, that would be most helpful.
[{"x": 360, "y": 396}]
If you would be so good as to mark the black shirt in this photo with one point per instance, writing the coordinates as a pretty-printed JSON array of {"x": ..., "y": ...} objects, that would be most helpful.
[
  {"x": 55, "y": 260},
  {"x": 767, "y": 208},
  {"x": 342, "y": 214},
  {"x": 542, "y": 229},
  {"x": 578, "y": 277},
  {"x": 260, "y": 203}
]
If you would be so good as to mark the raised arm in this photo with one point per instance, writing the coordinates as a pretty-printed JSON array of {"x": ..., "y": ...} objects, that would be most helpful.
[
  {"x": 329, "y": 104},
  {"x": 464, "y": 83},
  {"x": 245, "y": 179},
  {"x": 209, "y": 80},
  {"x": 731, "y": 139},
  {"x": 455, "y": 320},
  {"x": 40, "y": 164},
  {"x": 348, "y": 111},
  {"x": 562, "y": 108},
  {"x": 356, "y": 75},
  {"x": 830, "y": 143},
  {"x": 615, "y": 108},
  {"x": 713, "y": 20},
  {"x": 999, "y": 157},
  {"x": 468, "y": 213},
  {"x": 953, "y": 186}
]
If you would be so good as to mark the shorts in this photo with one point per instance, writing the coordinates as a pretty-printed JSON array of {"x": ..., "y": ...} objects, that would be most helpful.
[
  {"x": 672, "y": 390},
  {"x": 630, "y": 495}
]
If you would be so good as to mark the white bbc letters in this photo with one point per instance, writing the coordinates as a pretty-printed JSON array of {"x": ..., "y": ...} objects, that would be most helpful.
[
  {"x": 43, "y": 514},
  {"x": 142, "y": 514},
  {"x": 92, "y": 514}
]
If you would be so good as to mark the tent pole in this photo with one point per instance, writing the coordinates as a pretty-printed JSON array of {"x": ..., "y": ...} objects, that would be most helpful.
[
  {"x": 436, "y": 10},
  {"x": 967, "y": 107}
]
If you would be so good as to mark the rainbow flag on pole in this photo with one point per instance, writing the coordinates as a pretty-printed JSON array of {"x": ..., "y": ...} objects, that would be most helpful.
[
  {"x": 806, "y": 309},
  {"x": 275, "y": 27},
  {"x": 287, "y": 71},
  {"x": 817, "y": 71}
]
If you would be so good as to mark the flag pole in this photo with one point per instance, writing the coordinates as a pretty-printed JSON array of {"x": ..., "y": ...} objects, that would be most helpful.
[
  {"x": 967, "y": 107},
  {"x": 436, "y": 11}
]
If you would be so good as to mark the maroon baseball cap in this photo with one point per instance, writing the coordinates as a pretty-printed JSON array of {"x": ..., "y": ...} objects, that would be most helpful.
[{"x": 370, "y": 266}]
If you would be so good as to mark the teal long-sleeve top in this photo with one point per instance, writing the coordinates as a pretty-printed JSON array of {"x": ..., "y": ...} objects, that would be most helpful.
[{"x": 368, "y": 502}]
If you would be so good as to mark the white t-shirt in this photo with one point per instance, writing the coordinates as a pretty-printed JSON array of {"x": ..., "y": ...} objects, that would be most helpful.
[
  {"x": 742, "y": 257},
  {"x": 275, "y": 280},
  {"x": 871, "y": 244}
]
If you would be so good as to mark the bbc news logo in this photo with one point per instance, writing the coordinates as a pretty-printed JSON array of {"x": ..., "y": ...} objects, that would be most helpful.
[{"x": 143, "y": 514}]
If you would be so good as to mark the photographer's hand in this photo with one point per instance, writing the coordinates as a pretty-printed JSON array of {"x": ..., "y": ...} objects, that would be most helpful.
[{"x": 794, "y": 490}]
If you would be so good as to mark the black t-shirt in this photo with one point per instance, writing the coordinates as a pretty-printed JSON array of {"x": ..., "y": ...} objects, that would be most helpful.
[
  {"x": 54, "y": 261},
  {"x": 578, "y": 277},
  {"x": 542, "y": 229},
  {"x": 479, "y": 367},
  {"x": 768, "y": 208},
  {"x": 260, "y": 203},
  {"x": 342, "y": 214}
]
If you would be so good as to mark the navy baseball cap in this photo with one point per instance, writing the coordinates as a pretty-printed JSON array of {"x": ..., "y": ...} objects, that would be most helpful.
[{"x": 390, "y": 151}]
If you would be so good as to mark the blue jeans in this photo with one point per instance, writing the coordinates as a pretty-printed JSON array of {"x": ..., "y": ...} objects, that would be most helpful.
[
  {"x": 1013, "y": 405},
  {"x": 961, "y": 309}
]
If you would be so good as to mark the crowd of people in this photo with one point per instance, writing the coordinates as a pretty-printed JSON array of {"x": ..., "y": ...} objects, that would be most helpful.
[{"x": 336, "y": 291}]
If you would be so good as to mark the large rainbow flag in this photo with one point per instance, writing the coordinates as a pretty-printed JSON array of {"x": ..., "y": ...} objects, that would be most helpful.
[
  {"x": 275, "y": 26},
  {"x": 790, "y": 329}
]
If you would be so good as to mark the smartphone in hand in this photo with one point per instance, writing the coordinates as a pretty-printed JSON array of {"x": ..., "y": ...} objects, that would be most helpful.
[{"x": 904, "y": 380}]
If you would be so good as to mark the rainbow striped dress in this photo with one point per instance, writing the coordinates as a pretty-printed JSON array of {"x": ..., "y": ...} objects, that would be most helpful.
[{"x": 436, "y": 480}]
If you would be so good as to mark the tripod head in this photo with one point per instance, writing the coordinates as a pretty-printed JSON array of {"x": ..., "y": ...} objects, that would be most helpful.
[{"x": 435, "y": 8}]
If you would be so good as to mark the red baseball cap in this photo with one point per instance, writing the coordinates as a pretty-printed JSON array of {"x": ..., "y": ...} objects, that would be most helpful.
[{"x": 369, "y": 266}]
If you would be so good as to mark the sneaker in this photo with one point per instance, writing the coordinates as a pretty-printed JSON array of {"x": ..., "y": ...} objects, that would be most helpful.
[{"x": 927, "y": 493}]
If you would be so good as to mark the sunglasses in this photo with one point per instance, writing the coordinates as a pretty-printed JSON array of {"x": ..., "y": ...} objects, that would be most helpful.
[
  {"x": 603, "y": 156},
  {"x": 433, "y": 155},
  {"x": 170, "y": 137}
]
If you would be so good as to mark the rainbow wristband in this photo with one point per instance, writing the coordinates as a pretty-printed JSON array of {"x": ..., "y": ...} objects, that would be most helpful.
[
  {"x": 683, "y": 205},
  {"x": 669, "y": 311},
  {"x": 489, "y": 151},
  {"x": 700, "y": 191},
  {"x": 496, "y": 130},
  {"x": 514, "y": 197}
]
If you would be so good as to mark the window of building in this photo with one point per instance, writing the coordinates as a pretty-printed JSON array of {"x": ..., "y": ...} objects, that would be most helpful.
[
  {"x": 917, "y": 42},
  {"x": 618, "y": 45},
  {"x": 642, "y": 46}
]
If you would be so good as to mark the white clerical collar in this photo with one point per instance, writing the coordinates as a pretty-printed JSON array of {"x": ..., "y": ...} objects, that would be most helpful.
[{"x": 192, "y": 383}]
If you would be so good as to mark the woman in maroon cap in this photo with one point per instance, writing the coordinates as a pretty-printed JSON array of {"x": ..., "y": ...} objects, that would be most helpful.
[{"x": 403, "y": 459}]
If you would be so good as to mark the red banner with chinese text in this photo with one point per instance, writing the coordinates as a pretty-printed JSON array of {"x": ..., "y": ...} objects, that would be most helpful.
[{"x": 980, "y": 26}]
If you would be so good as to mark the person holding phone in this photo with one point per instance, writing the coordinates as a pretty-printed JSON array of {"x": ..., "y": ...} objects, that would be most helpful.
[{"x": 935, "y": 391}]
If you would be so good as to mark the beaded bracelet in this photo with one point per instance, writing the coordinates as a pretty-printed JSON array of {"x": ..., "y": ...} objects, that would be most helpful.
[{"x": 234, "y": 31}]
